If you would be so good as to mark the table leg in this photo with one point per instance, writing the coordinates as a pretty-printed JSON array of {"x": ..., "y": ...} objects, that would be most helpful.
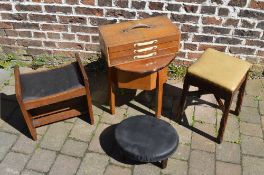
[
  {"x": 111, "y": 91},
  {"x": 161, "y": 79}
]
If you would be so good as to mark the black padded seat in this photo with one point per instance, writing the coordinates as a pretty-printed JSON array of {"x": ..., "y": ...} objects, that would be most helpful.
[
  {"x": 146, "y": 138},
  {"x": 45, "y": 83}
]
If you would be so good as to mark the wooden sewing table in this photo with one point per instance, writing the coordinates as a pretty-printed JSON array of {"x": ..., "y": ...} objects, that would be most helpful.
[{"x": 138, "y": 54}]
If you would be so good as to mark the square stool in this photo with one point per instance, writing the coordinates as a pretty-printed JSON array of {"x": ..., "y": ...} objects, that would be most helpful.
[{"x": 220, "y": 74}]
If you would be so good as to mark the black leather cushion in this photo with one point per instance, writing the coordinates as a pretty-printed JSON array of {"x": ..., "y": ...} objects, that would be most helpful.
[
  {"x": 45, "y": 83},
  {"x": 146, "y": 138}
]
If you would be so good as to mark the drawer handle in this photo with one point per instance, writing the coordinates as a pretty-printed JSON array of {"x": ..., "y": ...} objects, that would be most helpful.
[
  {"x": 145, "y": 56},
  {"x": 137, "y": 26},
  {"x": 145, "y": 49},
  {"x": 145, "y": 43}
]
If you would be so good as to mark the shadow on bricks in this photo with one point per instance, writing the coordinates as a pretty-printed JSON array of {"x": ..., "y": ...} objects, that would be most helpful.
[{"x": 11, "y": 113}]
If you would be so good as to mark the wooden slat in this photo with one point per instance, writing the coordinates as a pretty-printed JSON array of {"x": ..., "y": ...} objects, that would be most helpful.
[
  {"x": 220, "y": 103},
  {"x": 69, "y": 94},
  {"x": 56, "y": 117}
]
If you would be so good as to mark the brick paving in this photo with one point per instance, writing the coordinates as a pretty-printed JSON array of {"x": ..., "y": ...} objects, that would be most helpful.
[{"x": 76, "y": 147}]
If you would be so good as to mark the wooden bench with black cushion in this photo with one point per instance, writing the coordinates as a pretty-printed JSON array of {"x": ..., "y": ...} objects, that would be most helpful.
[{"x": 53, "y": 95}]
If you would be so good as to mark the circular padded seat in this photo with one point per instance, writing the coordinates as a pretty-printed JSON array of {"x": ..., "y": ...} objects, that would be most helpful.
[{"x": 146, "y": 139}]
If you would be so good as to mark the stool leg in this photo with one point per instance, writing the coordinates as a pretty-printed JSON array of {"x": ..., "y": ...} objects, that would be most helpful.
[
  {"x": 164, "y": 163},
  {"x": 111, "y": 91},
  {"x": 240, "y": 96},
  {"x": 29, "y": 121},
  {"x": 182, "y": 103},
  {"x": 221, "y": 131}
]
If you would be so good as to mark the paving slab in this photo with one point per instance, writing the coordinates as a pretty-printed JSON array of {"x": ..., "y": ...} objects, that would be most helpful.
[
  {"x": 41, "y": 160},
  {"x": 8, "y": 90},
  {"x": 182, "y": 152},
  {"x": 13, "y": 163},
  {"x": 251, "y": 129},
  {"x": 93, "y": 163},
  {"x": 201, "y": 162},
  {"x": 261, "y": 107},
  {"x": 144, "y": 169},
  {"x": 132, "y": 112},
  {"x": 118, "y": 163},
  {"x": 176, "y": 167},
  {"x": 253, "y": 87},
  {"x": 65, "y": 165},
  {"x": 183, "y": 132},
  {"x": 95, "y": 145},
  {"x": 201, "y": 142},
  {"x": 11, "y": 81},
  {"x": 250, "y": 115},
  {"x": 42, "y": 130},
  {"x": 227, "y": 168},
  {"x": 231, "y": 133},
  {"x": 82, "y": 130},
  {"x": 208, "y": 98},
  {"x": 252, "y": 165},
  {"x": 228, "y": 152},
  {"x": 31, "y": 172},
  {"x": 205, "y": 114},
  {"x": 97, "y": 111},
  {"x": 5, "y": 76},
  {"x": 116, "y": 170},
  {"x": 25, "y": 145},
  {"x": 6, "y": 142},
  {"x": 262, "y": 122},
  {"x": 74, "y": 148},
  {"x": 113, "y": 119},
  {"x": 250, "y": 101},
  {"x": 252, "y": 145},
  {"x": 56, "y": 135}
]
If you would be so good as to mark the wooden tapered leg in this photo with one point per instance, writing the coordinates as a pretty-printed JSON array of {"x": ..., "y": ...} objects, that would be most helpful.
[
  {"x": 240, "y": 96},
  {"x": 164, "y": 163},
  {"x": 159, "y": 93},
  {"x": 89, "y": 103},
  {"x": 161, "y": 79},
  {"x": 221, "y": 131},
  {"x": 182, "y": 103},
  {"x": 111, "y": 91}
]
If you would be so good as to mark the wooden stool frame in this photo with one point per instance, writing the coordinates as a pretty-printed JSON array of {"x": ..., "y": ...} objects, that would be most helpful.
[
  {"x": 219, "y": 93},
  {"x": 35, "y": 121}
]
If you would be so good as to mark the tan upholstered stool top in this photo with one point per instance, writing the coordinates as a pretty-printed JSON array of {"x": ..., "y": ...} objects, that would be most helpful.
[{"x": 220, "y": 69}]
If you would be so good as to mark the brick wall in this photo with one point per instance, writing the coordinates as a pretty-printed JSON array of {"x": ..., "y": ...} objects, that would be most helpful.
[{"x": 64, "y": 26}]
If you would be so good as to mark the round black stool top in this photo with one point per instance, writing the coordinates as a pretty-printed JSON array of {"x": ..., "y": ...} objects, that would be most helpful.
[{"x": 146, "y": 138}]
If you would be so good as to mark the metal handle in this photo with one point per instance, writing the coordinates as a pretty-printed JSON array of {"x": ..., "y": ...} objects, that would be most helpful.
[
  {"x": 145, "y": 56},
  {"x": 136, "y": 26},
  {"x": 145, "y": 43},
  {"x": 145, "y": 49}
]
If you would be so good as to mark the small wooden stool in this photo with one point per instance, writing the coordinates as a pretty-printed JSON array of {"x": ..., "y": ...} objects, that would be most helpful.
[{"x": 221, "y": 75}]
